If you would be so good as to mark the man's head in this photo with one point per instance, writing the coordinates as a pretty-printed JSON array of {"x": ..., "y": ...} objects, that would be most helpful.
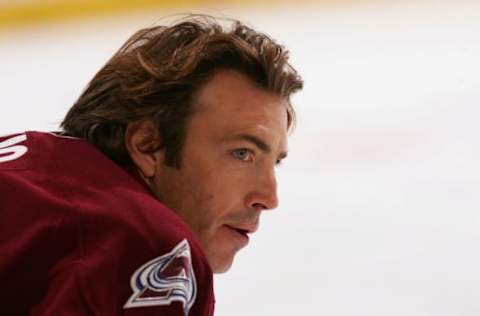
[{"x": 202, "y": 112}]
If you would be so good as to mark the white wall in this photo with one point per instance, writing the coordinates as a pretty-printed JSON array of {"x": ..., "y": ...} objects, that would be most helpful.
[{"x": 380, "y": 194}]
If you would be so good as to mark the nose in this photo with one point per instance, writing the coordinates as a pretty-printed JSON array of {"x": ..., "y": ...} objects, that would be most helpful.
[{"x": 263, "y": 195}]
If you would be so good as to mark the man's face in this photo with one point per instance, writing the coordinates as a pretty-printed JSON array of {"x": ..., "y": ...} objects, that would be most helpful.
[{"x": 236, "y": 136}]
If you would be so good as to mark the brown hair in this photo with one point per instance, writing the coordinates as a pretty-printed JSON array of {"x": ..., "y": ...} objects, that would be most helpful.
[{"x": 156, "y": 73}]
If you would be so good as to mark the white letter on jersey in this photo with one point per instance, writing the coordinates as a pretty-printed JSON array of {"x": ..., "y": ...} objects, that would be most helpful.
[{"x": 11, "y": 148}]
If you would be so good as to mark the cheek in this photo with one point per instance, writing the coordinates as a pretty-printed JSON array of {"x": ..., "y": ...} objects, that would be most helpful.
[
  {"x": 213, "y": 202},
  {"x": 212, "y": 189},
  {"x": 199, "y": 202}
]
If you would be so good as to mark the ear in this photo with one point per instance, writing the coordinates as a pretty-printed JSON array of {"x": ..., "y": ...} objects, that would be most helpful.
[{"x": 143, "y": 144}]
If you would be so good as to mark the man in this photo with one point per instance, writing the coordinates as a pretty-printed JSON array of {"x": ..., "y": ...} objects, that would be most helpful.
[{"x": 164, "y": 165}]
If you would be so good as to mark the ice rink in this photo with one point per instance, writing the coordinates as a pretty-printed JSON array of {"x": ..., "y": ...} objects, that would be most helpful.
[{"x": 380, "y": 196}]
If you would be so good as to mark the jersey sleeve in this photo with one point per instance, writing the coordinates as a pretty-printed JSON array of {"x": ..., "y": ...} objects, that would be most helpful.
[{"x": 79, "y": 236}]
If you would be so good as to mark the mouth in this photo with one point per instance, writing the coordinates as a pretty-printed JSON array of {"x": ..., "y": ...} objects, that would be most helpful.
[
  {"x": 240, "y": 234},
  {"x": 242, "y": 231}
]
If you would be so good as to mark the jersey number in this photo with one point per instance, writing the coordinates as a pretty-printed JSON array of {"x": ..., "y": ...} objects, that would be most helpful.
[{"x": 10, "y": 150}]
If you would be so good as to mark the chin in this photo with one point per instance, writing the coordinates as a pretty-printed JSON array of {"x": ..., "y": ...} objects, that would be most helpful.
[
  {"x": 221, "y": 265},
  {"x": 221, "y": 252}
]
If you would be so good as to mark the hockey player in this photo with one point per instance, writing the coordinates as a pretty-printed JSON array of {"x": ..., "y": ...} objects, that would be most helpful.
[{"x": 159, "y": 175}]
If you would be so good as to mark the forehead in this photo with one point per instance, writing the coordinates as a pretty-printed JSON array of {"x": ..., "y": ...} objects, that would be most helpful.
[{"x": 231, "y": 102}]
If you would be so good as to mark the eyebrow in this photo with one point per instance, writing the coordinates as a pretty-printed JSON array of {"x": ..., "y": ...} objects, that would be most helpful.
[{"x": 263, "y": 146}]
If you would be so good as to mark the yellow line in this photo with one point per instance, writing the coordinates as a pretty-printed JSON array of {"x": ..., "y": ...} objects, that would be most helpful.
[
  {"x": 51, "y": 11},
  {"x": 32, "y": 12}
]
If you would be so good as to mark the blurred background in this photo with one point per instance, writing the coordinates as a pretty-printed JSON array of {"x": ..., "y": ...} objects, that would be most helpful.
[{"x": 380, "y": 195}]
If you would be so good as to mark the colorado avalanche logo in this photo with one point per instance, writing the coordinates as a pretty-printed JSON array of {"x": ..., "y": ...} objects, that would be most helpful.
[{"x": 165, "y": 279}]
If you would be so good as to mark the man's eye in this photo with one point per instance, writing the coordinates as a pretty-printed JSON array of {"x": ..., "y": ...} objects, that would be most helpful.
[{"x": 242, "y": 154}]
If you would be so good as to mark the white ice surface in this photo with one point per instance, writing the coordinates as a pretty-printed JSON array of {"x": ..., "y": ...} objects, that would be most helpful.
[{"x": 380, "y": 195}]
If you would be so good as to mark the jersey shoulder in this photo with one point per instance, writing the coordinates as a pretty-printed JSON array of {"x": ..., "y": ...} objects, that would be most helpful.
[{"x": 108, "y": 216}]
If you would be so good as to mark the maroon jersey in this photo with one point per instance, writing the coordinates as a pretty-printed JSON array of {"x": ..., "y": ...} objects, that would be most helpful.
[{"x": 79, "y": 235}]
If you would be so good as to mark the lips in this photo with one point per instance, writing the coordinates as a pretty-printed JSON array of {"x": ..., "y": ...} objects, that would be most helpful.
[
  {"x": 240, "y": 234},
  {"x": 246, "y": 228},
  {"x": 243, "y": 230},
  {"x": 240, "y": 231}
]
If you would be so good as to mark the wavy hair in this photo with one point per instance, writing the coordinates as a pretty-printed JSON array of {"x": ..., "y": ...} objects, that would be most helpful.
[{"x": 156, "y": 73}]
